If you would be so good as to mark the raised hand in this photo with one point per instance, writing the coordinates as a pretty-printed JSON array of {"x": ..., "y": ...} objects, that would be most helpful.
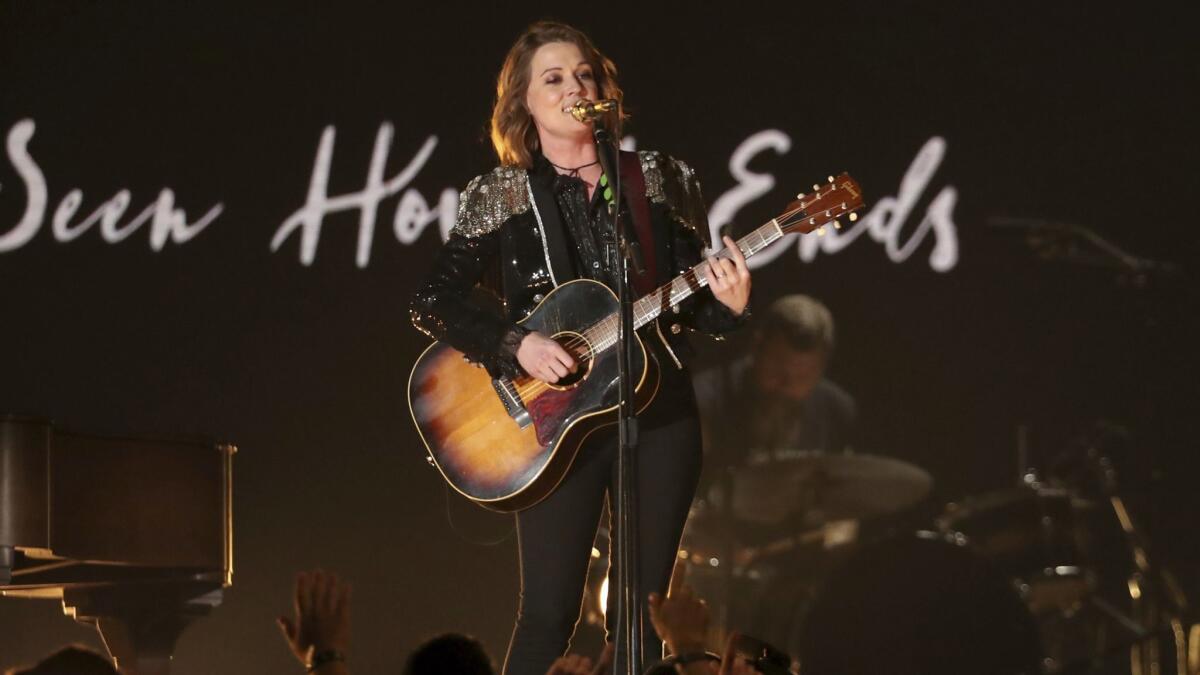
[
  {"x": 574, "y": 664},
  {"x": 322, "y": 616},
  {"x": 681, "y": 619},
  {"x": 571, "y": 664}
]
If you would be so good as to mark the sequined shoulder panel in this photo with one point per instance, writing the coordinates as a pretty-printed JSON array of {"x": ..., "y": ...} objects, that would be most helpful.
[
  {"x": 672, "y": 181},
  {"x": 652, "y": 170},
  {"x": 491, "y": 199}
]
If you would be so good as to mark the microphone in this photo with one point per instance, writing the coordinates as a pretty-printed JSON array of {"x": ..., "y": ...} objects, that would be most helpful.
[{"x": 586, "y": 111}]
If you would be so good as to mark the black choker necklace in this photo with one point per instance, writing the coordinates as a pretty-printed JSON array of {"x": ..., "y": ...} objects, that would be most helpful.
[{"x": 573, "y": 171}]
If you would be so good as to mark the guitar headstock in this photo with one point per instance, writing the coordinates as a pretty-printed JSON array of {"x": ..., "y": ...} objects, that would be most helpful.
[{"x": 813, "y": 211}]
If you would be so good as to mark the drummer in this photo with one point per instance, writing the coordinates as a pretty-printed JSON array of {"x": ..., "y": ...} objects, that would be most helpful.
[{"x": 776, "y": 402}]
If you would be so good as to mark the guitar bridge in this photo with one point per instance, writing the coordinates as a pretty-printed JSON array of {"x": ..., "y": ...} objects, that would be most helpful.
[{"x": 513, "y": 405}]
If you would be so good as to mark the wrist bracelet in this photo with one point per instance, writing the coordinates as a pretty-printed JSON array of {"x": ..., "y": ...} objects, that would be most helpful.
[{"x": 325, "y": 657}]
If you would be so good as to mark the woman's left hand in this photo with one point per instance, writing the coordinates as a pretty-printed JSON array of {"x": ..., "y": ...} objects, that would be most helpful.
[{"x": 729, "y": 278}]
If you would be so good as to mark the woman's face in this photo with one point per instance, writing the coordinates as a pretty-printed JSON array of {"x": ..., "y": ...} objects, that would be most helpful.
[{"x": 559, "y": 77}]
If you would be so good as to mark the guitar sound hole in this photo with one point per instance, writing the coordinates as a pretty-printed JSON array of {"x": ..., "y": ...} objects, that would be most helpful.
[{"x": 579, "y": 348}]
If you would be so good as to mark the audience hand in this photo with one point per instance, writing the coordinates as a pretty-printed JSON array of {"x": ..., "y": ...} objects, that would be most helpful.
[
  {"x": 574, "y": 664},
  {"x": 322, "y": 621},
  {"x": 571, "y": 664},
  {"x": 681, "y": 619}
]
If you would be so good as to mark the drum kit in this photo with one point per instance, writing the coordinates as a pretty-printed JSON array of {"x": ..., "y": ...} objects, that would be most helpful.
[{"x": 815, "y": 556}]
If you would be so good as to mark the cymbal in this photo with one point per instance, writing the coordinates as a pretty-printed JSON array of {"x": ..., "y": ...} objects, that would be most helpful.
[{"x": 819, "y": 487}]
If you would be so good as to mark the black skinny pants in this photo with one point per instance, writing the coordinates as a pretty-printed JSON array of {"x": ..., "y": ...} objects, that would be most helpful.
[{"x": 555, "y": 536}]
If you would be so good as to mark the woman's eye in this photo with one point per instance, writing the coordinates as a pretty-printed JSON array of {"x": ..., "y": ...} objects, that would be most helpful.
[
  {"x": 586, "y": 75},
  {"x": 553, "y": 79}
]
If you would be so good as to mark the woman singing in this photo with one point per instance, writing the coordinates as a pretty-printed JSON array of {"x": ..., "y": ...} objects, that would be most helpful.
[{"x": 536, "y": 222}]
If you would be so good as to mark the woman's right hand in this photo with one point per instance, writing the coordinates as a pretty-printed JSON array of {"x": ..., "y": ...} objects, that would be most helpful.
[{"x": 544, "y": 358}]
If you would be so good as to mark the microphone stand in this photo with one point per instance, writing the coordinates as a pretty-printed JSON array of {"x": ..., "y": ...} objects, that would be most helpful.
[{"x": 629, "y": 617}]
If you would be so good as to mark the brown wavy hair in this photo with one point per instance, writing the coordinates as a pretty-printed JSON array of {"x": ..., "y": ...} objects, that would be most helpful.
[{"x": 513, "y": 133}]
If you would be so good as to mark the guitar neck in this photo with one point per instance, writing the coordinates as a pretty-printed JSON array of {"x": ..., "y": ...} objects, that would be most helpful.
[
  {"x": 604, "y": 334},
  {"x": 840, "y": 196},
  {"x": 649, "y": 307}
]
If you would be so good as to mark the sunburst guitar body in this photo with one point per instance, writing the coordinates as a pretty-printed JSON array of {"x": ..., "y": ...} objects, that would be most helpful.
[{"x": 506, "y": 443}]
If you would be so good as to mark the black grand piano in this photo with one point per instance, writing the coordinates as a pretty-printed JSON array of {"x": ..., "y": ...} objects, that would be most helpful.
[{"x": 134, "y": 535}]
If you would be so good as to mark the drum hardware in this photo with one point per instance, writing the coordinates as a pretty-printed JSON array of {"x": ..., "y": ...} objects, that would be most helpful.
[
  {"x": 1058, "y": 570},
  {"x": 1095, "y": 663},
  {"x": 1128, "y": 593},
  {"x": 743, "y": 558},
  {"x": 1193, "y": 650},
  {"x": 1029, "y": 533},
  {"x": 1081, "y": 586},
  {"x": 807, "y": 504}
]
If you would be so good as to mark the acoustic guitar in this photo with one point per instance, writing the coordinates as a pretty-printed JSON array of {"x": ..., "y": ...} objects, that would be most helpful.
[{"x": 507, "y": 443}]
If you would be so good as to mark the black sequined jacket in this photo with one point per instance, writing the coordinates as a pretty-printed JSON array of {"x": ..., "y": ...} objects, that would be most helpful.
[{"x": 509, "y": 239}]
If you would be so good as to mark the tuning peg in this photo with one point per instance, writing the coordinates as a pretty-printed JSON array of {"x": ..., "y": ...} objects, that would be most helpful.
[
  {"x": 816, "y": 188},
  {"x": 837, "y": 225},
  {"x": 800, "y": 196},
  {"x": 821, "y": 231},
  {"x": 853, "y": 217},
  {"x": 831, "y": 179}
]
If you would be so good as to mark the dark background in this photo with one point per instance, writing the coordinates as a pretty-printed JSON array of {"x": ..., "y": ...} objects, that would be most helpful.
[{"x": 1058, "y": 112}]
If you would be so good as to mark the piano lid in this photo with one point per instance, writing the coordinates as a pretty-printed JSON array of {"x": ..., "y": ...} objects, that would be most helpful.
[{"x": 85, "y": 509}]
